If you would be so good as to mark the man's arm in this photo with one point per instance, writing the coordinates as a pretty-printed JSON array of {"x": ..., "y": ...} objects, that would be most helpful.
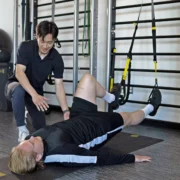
[
  {"x": 60, "y": 93},
  {"x": 72, "y": 155},
  {"x": 23, "y": 80},
  {"x": 38, "y": 100}
]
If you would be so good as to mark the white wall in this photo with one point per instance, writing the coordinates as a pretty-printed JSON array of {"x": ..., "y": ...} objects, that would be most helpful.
[{"x": 6, "y": 16}]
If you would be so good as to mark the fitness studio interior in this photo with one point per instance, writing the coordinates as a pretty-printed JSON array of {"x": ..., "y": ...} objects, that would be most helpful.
[{"x": 50, "y": 48}]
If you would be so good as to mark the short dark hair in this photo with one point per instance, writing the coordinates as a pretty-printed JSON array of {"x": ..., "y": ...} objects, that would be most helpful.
[{"x": 47, "y": 27}]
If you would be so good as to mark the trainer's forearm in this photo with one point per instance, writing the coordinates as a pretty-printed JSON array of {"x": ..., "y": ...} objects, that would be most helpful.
[
  {"x": 23, "y": 80},
  {"x": 60, "y": 93}
]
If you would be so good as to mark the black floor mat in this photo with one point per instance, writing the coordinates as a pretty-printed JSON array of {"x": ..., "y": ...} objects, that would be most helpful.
[{"x": 121, "y": 143}]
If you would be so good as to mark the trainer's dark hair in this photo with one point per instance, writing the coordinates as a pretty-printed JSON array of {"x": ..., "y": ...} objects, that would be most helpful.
[{"x": 47, "y": 27}]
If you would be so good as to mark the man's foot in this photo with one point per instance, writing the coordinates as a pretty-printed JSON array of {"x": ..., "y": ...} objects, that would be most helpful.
[
  {"x": 116, "y": 91},
  {"x": 22, "y": 135},
  {"x": 155, "y": 99}
]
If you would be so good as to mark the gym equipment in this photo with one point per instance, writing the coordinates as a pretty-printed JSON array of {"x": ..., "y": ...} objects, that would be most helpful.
[
  {"x": 5, "y": 46},
  {"x": 121, "y": 143},
  {"x": 26, "y": 24},
  {"x": 114, "y": 39},
  {"x": 5, "y": 41},
  {"x": 154, "y": 48},
  {"x": 86, "y": 28},
  {"x": 6, "y": 70},
  {"x": 154, "y": 42},
  {"x": 5, "y": 56},
  {"x": 124, "y": 96}
]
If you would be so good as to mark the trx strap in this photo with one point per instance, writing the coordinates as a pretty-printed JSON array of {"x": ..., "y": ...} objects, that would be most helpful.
[
  {"x": 23, "y": 4},
  {"x": 112, "y": 68},
  {"x": 27, "y": 22},
  {"x": 154, "y": 42},
  {"x": 154, "y": 47},
  {"x": 123, "y": 96}
]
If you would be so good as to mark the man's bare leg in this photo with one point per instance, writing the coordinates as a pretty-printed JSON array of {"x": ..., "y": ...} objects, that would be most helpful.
[
  {"x": 88, "y": 89},
  {"x": 135, "y": 118},
  {"x": 132, "y": 118}
]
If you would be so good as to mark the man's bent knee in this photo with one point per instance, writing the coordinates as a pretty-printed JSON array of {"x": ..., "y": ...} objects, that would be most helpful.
[
  {"x": 87, "y": 77},
  {"x": 85, "y": 81}
]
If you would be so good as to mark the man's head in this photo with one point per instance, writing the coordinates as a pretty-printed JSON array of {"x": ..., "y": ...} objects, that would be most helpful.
[
  {"x": 46, "y": 34},
  {"x": 26, "y": 156}
]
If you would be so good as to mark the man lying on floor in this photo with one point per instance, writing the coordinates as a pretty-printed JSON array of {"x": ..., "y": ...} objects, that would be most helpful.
[{"x": 76, "y": 142}]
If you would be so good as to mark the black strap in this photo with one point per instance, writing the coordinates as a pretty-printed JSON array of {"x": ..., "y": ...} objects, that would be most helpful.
[
  {"x": 124, "y": 97},
  {"x": 154, "y": 40},
  {"x": 58, "y": 44},
  {"x": 28, "y": 22},
  {"x": 23, "y": 4},
  {"x": 134, "y": 35},
  {"x": 153, "y": 32}
]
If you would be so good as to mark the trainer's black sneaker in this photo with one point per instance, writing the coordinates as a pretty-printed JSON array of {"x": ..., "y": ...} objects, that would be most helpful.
[
  {"x": 155, "y": 99},
  {"x": 116, "y": 91}
]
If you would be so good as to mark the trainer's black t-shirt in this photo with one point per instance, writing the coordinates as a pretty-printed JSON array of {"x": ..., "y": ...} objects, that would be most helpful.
[{"x": 37, "y": 70}]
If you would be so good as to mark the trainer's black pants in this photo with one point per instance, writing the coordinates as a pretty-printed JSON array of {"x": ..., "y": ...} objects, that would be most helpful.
[{"x": 19, "y": 98}]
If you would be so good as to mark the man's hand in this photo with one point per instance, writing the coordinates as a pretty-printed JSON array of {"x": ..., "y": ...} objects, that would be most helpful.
[
  {"x": 142, "y": 158},
  {"x": 66, "y": 115},
  {"x": 40, "y": 102}
]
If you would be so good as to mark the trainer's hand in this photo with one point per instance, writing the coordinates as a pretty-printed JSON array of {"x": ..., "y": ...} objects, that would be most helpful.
[
  {"x": 142, "y": 158},
  {"x": 66, "y": 115},
  {"x": 40, "y": 102}
]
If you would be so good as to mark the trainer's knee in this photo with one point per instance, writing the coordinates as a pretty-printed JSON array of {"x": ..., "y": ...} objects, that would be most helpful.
[{"x": 18, "y": 92}]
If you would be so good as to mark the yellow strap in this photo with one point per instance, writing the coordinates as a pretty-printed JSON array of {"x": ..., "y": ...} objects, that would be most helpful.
[
  {"x": 155, "y": 69},
  {"x": 114, "y": 50},
  {"x": 134, "y": 135},
  {"x": 135, "y": 24},
  {"x": 155, "y": 66},
  {"x": 126, "y": 68},
  {"x": 154, "y": 28},
  {"x": 111, "y": 83},
  {"x": 2, "y": 174}
]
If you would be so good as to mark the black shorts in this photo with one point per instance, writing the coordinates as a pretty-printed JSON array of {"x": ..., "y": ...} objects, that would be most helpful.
[{"x": 106, "y": 124}]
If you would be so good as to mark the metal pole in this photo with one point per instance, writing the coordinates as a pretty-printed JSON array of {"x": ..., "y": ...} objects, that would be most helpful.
[
  {"x": 75, "y": 54},
  {"x": 108, "y": 46},
  {"x": 32, "y": 19},
  {"x": 53, "y": 9},
  {"x": 92, "y": 37},
  {"x": 15, "y": 32}
]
